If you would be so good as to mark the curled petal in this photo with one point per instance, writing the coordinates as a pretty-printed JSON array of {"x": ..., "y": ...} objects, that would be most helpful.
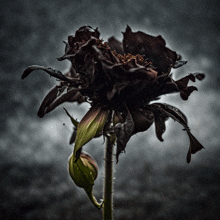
[
  {"x": 143, "y": 119},
  {"x": 123, "y": 132},
  {"x": 185, "y": 90},
  {"x": 70, "y": 96},
  {"x": 152, "y": 47},
  {"x": 194, "y": 146},
  {"x": 115, "y": 45},
  {"x": 49, "y": 98},
  {"x": 179, "y": 63},
  {"x": 199, "y": 76},
  {"x": 53, "y": 72},
  {"x": 160, "y": 126},
  {"x": 178, "y": 116}
]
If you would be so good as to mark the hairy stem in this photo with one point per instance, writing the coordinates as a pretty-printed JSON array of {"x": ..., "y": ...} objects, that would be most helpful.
[{"x": 108, "y": 180}]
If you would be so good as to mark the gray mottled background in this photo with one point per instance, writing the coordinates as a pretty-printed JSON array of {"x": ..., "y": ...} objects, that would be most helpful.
[{"x": 153, "y": 180}]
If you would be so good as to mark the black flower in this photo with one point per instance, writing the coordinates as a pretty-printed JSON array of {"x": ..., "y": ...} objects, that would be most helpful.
[{"x": 119, "y": 80}]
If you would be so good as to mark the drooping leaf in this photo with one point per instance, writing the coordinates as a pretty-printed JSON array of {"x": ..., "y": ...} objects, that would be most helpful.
[
  {"x": 90, "y": 126},
  {"x": 123, "y": 132}
]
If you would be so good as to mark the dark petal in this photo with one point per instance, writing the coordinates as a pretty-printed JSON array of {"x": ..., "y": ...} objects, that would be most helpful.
[
  {"x": 123, "y": 132},
  {"x": 71, "y": 73},
  {"x": 117, "y": 88},
  {"x": 178, "y": 116},
  {"x": 143, "y": 119},
  {"x": 49, "y": 98},
  {"x": 85, "y": 33},
  {"x": 115, "y": 45},
  {"x": 160, "y": 126},
  {"x": 71, "y": 96},
  {"x": 172, "y": 112},
  {"x": 53, "y": 72},
  {"x": 200, "y": 76},
  {"x": 185, "y": 91},
  {"x": 153, "y": 48},
  {"x": 194, "y": 147},
  {"x": 179, "y": 63}
]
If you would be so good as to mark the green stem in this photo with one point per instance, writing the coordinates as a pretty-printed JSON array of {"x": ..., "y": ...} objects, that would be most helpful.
[
  {"x": 93, "y": 199},
  {"x": 108, "y": 180}
]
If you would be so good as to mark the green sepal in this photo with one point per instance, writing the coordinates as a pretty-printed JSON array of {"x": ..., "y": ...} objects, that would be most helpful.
[
  {"x": 74, "y": 122},
  {"x": 90, "y": 126},
  {"x": 83, "y": 172}
]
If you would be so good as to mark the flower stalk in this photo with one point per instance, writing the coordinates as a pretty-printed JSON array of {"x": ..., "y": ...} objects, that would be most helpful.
[{"x": 108, "y": 180}]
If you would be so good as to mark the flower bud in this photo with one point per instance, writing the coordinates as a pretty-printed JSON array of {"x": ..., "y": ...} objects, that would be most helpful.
[{"x": 84, "y": 171}]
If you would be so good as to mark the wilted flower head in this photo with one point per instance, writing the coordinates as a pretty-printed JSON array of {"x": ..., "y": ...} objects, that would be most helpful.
[{"x": 119, "y": 80}]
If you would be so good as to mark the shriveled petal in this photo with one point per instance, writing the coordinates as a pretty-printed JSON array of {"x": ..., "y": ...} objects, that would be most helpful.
[
  {"x": 185, "y": 90},
  {"x": 123, "y": 132},
  {"x": 143, "y": 119},
  {"x": 115, "y": 45},
  {"x": 49, "y": 98},
  {"x": 178, "y": 116},
  {"x": 194, "y": 146},
  {"x": 52, "y": 72},
  {"x": 70, "y": 96},
  {"x": 160, "y": 126},
  {"x": 154, "y": 48}
]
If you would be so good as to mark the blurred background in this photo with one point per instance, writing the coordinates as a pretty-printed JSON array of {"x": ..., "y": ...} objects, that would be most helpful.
[{"x": 152, "y": 179}]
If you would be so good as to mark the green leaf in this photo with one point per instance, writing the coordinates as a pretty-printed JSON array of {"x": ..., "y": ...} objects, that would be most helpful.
[{"x": 90, "y": 126}]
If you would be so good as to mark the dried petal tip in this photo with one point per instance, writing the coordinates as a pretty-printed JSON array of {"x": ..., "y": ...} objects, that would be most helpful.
[
  {"x": 194, "y": 147},
  {"x": 200, "y": 76}
]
